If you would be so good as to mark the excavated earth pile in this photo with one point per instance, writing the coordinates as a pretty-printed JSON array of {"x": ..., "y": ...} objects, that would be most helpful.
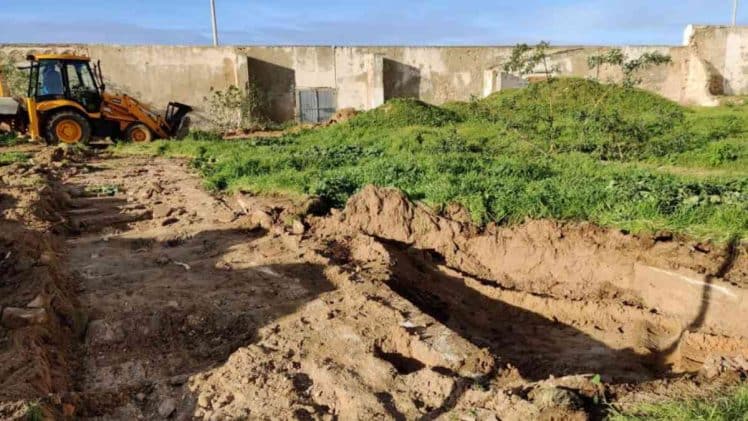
[{"x": 134, "y": 294}]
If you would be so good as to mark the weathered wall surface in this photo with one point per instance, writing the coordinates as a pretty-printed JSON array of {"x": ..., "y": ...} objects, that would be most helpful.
[
  {"x": 725, "y": 48},
  {"x": 713, "y": 61},
  {"x": 158, "y": 75}
]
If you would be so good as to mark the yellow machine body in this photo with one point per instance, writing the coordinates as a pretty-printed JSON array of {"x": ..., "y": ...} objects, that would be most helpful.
[{"x": 67, "y": 102}]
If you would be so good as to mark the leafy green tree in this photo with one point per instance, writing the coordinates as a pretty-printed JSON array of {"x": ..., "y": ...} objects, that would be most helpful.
[{"x": 525, "y": 60}]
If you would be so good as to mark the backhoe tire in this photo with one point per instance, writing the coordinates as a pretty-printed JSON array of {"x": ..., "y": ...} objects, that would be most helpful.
[
  {"x": 67, "y": 127},
  {"x": 138, "y": 133}
]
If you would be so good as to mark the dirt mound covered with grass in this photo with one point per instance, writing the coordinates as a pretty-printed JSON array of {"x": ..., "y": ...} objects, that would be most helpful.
[
  {"x": 570, "y": 114},
  {"x": 401, "y": 112}
]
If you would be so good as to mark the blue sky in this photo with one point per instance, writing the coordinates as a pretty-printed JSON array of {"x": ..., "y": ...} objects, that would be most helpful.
[{"x": 360, "y": 22}]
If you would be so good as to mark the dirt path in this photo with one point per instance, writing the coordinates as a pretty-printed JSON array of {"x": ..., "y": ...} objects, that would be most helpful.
[
  {"x": 210, "y": 308},
  {"x": 171, "y": 283}
]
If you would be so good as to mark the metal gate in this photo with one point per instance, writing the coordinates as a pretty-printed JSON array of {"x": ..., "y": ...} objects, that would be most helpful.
[{"x": 316, "y": 105}]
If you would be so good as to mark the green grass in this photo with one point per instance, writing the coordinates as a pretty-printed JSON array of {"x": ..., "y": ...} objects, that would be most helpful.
[
  {"x": 34, "y": 412},
  {"x": 571, "y": 150},
  {"x": 9, "y": 139},
  {"x": 733, "y": 407},
  {"x": 7, "y": 158}
]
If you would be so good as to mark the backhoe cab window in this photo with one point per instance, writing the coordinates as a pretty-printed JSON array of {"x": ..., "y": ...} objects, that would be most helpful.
[
  {"x": 50, "y": 80},
  {"x": 82, "y": 86}
]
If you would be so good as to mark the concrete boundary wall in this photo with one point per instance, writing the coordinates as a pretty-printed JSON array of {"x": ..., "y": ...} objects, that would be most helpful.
[{"x": 714, "y": 61}]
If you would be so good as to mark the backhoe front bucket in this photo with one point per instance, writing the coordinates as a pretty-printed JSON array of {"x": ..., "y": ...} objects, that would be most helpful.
[{"x": 177, "y": 120}]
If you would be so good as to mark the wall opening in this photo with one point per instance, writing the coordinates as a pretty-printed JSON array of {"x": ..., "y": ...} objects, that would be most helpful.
[{"x": 316, "y": 105}]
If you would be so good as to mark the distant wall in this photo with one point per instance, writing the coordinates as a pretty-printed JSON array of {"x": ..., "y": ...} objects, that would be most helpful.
[
  {"x": 712, "y": 61},
  {"x": 725, "y": 48}
]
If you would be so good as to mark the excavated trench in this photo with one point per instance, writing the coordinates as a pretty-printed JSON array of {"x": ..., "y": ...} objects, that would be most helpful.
[
  {"x": 199, "y": 307},
  {"x": 533, "y": 334}
]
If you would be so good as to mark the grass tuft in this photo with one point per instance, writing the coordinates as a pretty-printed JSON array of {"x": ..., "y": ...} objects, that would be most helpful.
[
  {"x": 7, "y": 158},
  {"x": 733, "y": 407}
]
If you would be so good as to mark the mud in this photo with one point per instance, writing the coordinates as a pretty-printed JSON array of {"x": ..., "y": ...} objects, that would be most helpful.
[{"x": 163, "y": 301}]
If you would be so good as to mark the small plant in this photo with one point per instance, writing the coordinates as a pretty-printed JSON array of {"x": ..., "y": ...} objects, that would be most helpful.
[
  {"x": 723, "y": 153},
  {"x": 7, "y": 158},
  {"x": 233, "y": 109},
  {"x": 34, "y": 412},
  {"x": 102, "y": 190},
  {"x": 629, "y": 67}
]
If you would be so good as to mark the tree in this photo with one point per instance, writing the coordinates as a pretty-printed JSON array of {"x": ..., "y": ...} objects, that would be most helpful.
[
  {"x": 629, "y": 68},
  {"x": 525, "y": 60}
]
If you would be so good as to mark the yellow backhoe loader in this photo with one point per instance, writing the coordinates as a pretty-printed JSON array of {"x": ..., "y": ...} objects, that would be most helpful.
[{"x": 67, "y": 102}]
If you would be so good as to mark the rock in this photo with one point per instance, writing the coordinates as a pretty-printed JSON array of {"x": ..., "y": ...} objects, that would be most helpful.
[
  {"x": 297, "y": 227},
  {"x": 14, "y": 317},
  {"x": 163, "y": 259},
  {"x": 262, "y": 219},
  {"x": 39, "y": 302},
  {"x": 554, "y": 397},
  {"x": 167, "y": 407},
  {"x": 140, "y": 396},
  {"x": 179, "y": 380}
]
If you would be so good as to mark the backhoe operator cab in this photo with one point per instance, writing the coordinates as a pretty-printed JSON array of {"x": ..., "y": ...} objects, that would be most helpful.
[
  {"x": 67, "y": 102},
  {"x": 66, "y": 97}
]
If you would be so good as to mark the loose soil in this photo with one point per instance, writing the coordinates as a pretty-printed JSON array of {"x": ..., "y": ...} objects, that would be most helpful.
[{"x": 129, "y": 292}]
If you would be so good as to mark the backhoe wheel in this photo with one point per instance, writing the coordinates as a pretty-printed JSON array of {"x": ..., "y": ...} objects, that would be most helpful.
[
  {"x": 139, "y": 133},
  {"x": 68, "y": 127}
]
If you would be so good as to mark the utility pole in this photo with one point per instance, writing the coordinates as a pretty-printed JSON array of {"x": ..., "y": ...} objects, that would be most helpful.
[
  {"x": 215, "y": 25},
  {"x": 735, "y": 12}
]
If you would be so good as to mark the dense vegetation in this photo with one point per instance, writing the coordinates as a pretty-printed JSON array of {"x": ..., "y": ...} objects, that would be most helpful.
[
  {"x": 733, "y": 407},
  {"x": 568, "y": 149}
]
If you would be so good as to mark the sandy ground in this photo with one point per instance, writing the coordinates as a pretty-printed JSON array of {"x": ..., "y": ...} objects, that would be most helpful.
[{"x": 163, "y": 301}]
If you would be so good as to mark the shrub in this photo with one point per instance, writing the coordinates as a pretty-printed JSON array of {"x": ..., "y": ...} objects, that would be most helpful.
[{"x": 233, "y": 109}]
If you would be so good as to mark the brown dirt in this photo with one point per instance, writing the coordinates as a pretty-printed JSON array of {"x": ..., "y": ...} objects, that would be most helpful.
[
  {"x": 342, "y": 115},
  {"x": 164, "y": 301}
]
